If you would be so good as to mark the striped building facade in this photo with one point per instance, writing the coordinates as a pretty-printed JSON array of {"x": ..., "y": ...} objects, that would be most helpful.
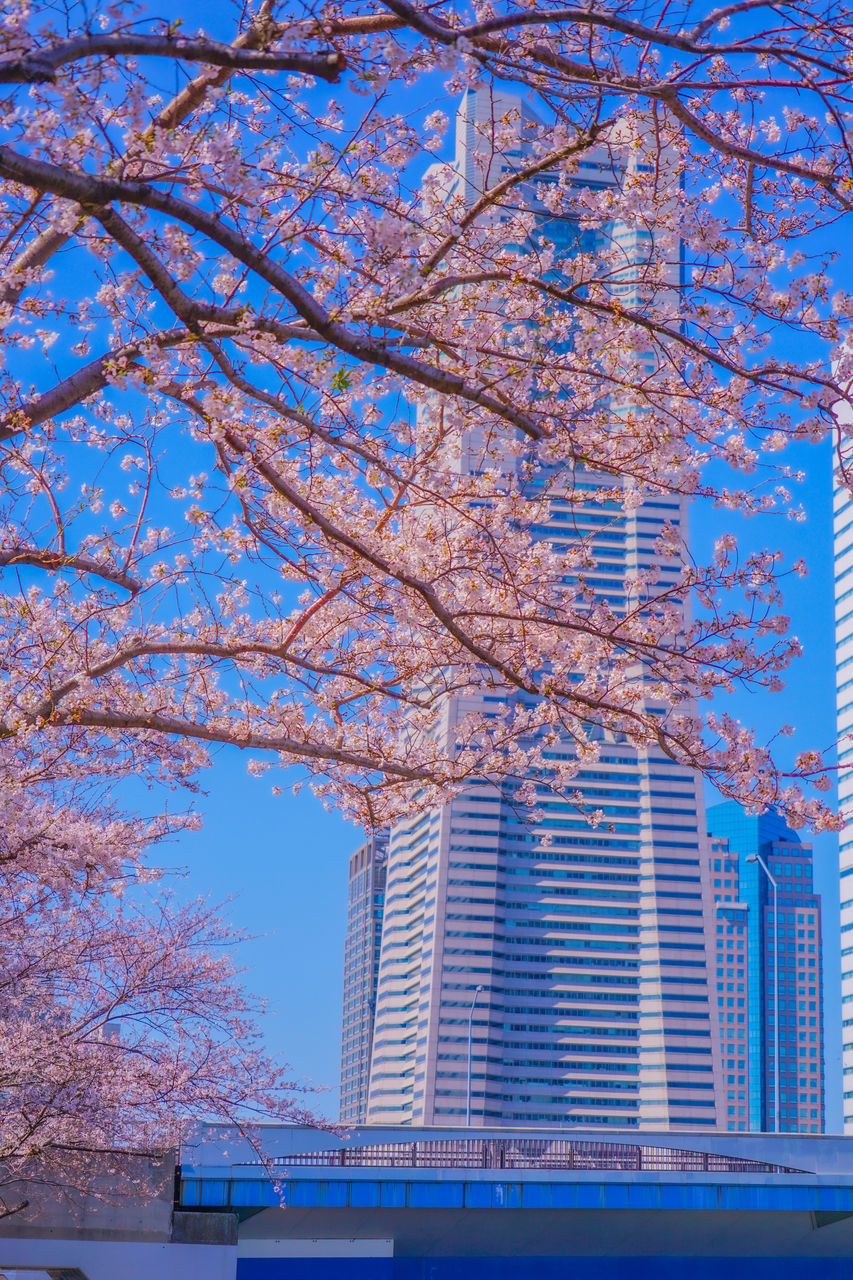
[
  {"x": 843, "y": 565},
  {"x": 576, "y": 955}
]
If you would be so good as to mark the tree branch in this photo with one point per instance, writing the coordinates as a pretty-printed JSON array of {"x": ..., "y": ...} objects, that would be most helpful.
[
  {"x": 94, "y": 193},
  {"x": 53, "y": 562},
  {"x": 50, "y": 241},
  {"x": 247, "y": 741},
  {"x": 41, "y": 67},
  {"x": 84, "y": 382},
  {"x": 489, "y": 198}
]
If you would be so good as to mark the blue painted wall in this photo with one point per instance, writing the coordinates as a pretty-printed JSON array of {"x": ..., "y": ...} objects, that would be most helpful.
[{"x": 583, "y": 1268}]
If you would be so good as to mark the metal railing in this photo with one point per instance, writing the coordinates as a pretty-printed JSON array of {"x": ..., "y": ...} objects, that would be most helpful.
[{"x": 527, "y": 1153}]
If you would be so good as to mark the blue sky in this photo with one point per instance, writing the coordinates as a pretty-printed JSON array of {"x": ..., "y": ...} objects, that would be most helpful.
[{"x": 284, "y": 861}]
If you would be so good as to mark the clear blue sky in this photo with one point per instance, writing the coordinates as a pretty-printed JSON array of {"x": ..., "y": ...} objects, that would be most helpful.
[{"x": 284, "y": 861}]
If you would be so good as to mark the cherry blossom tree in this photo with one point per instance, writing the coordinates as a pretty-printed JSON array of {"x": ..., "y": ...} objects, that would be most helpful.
[
  {"x": 250, "y": 340},
  {"x": 121, "y": 1015}
]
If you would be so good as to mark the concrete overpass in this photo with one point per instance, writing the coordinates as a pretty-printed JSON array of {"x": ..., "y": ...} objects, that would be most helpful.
[{"x": 431, "y": 1204}]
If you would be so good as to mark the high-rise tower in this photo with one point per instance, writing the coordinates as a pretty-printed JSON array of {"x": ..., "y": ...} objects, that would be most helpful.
[
  {"x": 748, "y": 950},
  {"x": 843, "y": 559},
  {"x": 588, "y": 944},
  {"x": 365, "y": 905}
]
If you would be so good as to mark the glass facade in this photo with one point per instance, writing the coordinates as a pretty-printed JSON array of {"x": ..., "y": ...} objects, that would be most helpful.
[
  {"x": 747, "y": 950},
  {"x": 365, "y": 906}
]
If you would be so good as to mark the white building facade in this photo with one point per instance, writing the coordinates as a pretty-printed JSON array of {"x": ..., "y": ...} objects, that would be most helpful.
[
  {"x": 843, "y": 563},
  {"x": 584, "y": 947}
]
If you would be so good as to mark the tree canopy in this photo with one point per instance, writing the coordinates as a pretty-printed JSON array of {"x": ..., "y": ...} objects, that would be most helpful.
[{"x": 247, "y": 339}]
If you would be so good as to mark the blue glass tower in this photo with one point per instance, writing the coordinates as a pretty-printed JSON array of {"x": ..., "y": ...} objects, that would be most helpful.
[{"x": 746, "y": 955}]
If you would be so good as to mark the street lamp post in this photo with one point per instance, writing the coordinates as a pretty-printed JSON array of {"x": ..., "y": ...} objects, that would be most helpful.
[
  {"x": 470, "y": 1033},
  {"x": 756, "y": 857}
]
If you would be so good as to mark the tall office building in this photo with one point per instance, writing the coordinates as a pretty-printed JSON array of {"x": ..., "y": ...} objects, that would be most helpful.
[
  {"x": 843, "y": 537},
  {"x": 576, "y": 955},
  {"x": 747, "y": 952},
  {"x": 365, "y": 904}
]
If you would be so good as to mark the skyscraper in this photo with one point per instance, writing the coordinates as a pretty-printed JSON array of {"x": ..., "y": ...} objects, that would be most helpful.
[
  {"x": 843, "y": 537},
  {"x": 574, "y": 957},
  {"x": 365, "y": 904},
  {"x": 747, "y": 950}
]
